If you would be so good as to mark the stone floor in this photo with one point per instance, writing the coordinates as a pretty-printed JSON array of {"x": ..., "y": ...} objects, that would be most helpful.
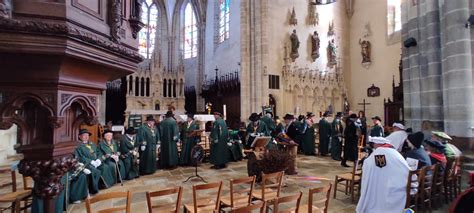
[{"x": 322, "y": 167}]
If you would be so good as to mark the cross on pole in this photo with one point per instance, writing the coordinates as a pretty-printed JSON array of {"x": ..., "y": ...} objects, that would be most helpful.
[{"x": 363, "y": 104}]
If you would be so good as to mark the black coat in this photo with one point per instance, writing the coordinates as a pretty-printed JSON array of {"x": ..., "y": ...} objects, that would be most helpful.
[{"x": 292, "y": 132}]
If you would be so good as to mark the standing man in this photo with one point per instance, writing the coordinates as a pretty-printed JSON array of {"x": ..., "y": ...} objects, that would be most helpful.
[
  {"x": 169, "y": 138},
  {"x": 88, "y": 154},
  {"x": 149, "y": 138},
  {"x": 351, "y": 140},
  {"x": 336, "y": 142},
  {"x": 324, "y": 135},
  {"x": 377, "y": 129},
  {"x": 308, "y": 137},
  {"x": 129, "y": 153},
  {"x": 383, "y": 187},
  {"x": 188, "y": 142},
  {"x": 219, "y": 138}
]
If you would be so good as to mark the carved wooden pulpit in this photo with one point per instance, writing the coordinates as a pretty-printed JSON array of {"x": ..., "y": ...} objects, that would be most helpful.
[{"x": 56, "y": 57}]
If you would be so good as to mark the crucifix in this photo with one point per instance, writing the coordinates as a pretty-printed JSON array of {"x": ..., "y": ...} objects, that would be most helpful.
[{"x": 363, "y": 104}]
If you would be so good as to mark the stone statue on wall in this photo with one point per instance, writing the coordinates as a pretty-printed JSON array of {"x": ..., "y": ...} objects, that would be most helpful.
[
  {"x": 295, "y": 44},
  {"x": 331, "y": 53},
  {"x": 315, "y": 43},
  {"x": 115, "y": 19},
  {"x": 5, "y": 8},
  {"x": 365, "y": 51},
  {"x": 347, "y": 107}
]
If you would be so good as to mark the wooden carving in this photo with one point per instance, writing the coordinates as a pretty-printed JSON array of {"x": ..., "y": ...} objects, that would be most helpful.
[
  {"x": 115, "y": 19},
  {"x": 135, "y": 15}
]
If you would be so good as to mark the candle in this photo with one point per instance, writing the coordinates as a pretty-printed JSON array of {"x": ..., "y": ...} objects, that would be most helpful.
[{"x": 225, "y": 111}]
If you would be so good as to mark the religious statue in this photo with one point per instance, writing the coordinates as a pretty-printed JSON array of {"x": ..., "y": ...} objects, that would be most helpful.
[
  {"x": 209, "y": 107},
  {"x": 347, "y": 107},
  {"x": 331, "y": 53},
  {"x": 365, "y": 51},
  {"x": 115, "y": 19},
  {"x": 295, "y": 44},
  {"x": 5, "y": 8},
  {"x": 315, "y": 43},
  {"x": 293, "y": 20}
]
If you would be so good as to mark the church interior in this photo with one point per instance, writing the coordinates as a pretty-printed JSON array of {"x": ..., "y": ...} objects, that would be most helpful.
[{"x": 142, "y": 103}]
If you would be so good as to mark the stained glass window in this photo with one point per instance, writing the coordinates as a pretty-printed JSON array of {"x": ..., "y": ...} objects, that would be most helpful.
[
  {"x": 146, "y": 36},
  {"x": 224, "y": 19},
  {"x": 190, "y": 32},
  {"x": 394, "y": 21}
]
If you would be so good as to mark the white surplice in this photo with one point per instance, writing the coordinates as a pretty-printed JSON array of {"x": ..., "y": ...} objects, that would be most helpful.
[
  {"x": 397, "y": 138},
  {"x": 384, "y": 180}
]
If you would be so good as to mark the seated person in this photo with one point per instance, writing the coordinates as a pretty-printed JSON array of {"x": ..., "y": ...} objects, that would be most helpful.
[
  {"x": 416, "y": 151},
  {"x": 436, "y": 152},
  {"x": 112, "y": 165},
  {"x": 88, "y": 154}
]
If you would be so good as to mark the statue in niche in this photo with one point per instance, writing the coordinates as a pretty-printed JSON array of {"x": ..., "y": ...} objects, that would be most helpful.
[
  {"x": 365, "y": 51},
  {"x": 5, "y": 8},
  {"x": 347, "y": 107},
  {"x": 315, "y": 43},
  {"x": 331, "y": 53},
  {"x": 295, "y": 44},
  {"x": 115, "y": 19}
]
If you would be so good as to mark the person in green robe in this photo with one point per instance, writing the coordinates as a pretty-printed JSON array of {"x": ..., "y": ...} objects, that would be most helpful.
[
  {"x": 308, "y": 135},
  {"x": 337, "y": 131},
  {"x": 188, "y": 142},
  {"x": 256, "y": 128},
  {"x": 88, "y": 154},
  {"x": 280, "y": 128},
  {"x": 113, "y": 168},
  {"x": 235, "y": 145},
  {"x": 129, "y": 154},
  {"x": 149, "y": 138},
  {"x": 324, "y": 135},
  {"x": 377, "y": 129},
  {"x": 268, "y": 120},
  {"x": 169, "y": 138},
  {"x": 219, "y": 138}
]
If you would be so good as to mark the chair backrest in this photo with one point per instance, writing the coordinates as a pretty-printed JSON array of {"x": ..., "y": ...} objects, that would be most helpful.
[
  {"x": 252, "y": 207},
  {"x": 272, "y": 181},
  {"x": 356, "y": 168},
  {"x": 438, "y": 175},
  {"x": 411, "y": 186},
  {"x": 178, "y": 191},
  {"x": 427, "y": 178},
  {"x": 361, "y": 141},
  {"x": 26, "y": 183},
  {"x": 292, "y": 198},
  {"x": 243, "y": 192},
  {"x": 108, "y": 196},
  {"x": 207, "y": 186},
  {"x": 8, "y": 181},
  {"x": 322, "y": 203}
]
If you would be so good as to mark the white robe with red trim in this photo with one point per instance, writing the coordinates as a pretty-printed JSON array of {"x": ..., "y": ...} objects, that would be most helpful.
[{"x": 384, "y": 180}]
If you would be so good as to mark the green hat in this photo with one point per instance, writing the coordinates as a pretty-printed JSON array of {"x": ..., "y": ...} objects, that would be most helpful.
[{"x": 442, "y": 135}]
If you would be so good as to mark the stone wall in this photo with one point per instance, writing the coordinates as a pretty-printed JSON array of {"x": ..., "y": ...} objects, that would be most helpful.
[{"x": 438, "y": 72}]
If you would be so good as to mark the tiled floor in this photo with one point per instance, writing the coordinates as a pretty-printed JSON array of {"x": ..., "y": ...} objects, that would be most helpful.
[{"x": 322, "y": 167}]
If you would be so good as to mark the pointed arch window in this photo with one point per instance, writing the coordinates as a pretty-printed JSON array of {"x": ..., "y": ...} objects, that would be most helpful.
[
  {"x": 224, "y": 16},
  {"x": 146, "y": 36},
  {"x": 190, "y": 32}
]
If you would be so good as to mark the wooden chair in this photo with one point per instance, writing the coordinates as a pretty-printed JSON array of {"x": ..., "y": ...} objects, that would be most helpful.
[
  {"x": 252, "y": 207},
  {"x": 239, "y": 197},
  {"x": 271, "y": 186},
  {"x": 350, "y": 181},
  {"x": 108, "y": 196},
  {"x": 292, "y": 198},
  {"x": 166, "y": 207},
  {"x": 438, "y": 185},
  {"x": 320, "y": 205},
  {"x": 207, "y": 203},
  {"x": 412, "y": 191},
  {"x": 458, "y": 175},
  {"x": 425, "y": 187},
  {"x": 15, "y": 197}
]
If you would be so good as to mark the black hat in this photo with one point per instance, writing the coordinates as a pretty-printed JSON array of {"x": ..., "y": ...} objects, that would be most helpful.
[
  {"x": 289, "y": 117},
  {"x": 107, "y": 131},
  {"x": 130, "y": 131},
  {"x": 376, "y": 118},
  {"x": 339, "y": 114},
  {"x": 353, "y": 115},
  {"x": 300, "y": 117},
  {"x": 190, "y": 115},
  {"x": 416, "y": 139},
  {"x": 254, "y": 117},
  {"x": 84, "y": 131},
  {"x": 169, "y": 114},
  {"x": 436, "y": 144},
  {"x": 150, "y": 118},
  {"x": 309, "y": 114},
  {"x": 325, "y": 114}
]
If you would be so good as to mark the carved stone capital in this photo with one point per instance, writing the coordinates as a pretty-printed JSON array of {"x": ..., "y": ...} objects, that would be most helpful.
[{"x": 47, "y": 174}]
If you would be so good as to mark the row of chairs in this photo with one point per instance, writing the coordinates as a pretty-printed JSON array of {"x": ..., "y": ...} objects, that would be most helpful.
[
  {"x": 17, "y": 199},
  {"x": 431, "y": 183},
  {"x": 243, "y": 197}
]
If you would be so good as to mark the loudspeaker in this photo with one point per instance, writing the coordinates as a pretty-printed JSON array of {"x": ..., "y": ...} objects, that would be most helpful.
[{"x": 410, "y": 42}]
